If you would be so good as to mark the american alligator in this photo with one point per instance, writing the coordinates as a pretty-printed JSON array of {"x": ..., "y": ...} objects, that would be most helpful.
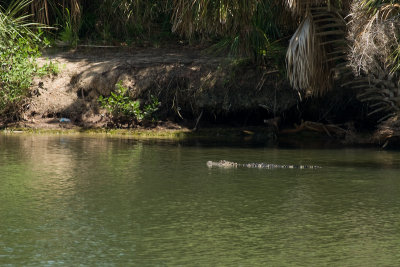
[{"x": 230, "y": 164}]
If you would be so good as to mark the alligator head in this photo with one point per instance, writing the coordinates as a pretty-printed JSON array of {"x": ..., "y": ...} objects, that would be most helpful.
[{"x": 222, "y": 164}]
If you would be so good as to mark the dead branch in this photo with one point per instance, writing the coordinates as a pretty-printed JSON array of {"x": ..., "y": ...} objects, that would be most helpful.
[{"x": 331, "y": 130}]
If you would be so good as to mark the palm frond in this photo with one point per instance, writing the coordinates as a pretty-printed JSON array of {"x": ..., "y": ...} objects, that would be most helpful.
[
  {"x": 14, "y": 23},
  {"x": 300, "y": 7},
  {"x": 300, "y": 55},
  {"x": 374, "y": 31},
  {"x": 382, "y": 94},
  {"x": 315, "y": 51}
]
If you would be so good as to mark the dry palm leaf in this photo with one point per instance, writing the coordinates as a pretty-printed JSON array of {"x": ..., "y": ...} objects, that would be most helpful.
[
  {"x": 374, "y": 31},
  {"x": 300, "y": 55},
  {"x": 300, "y": 7},
  {"x": 315, "y": 50}
]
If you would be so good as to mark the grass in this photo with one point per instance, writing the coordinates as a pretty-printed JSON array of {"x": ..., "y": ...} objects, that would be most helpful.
[{"x": 216, "y": 134}]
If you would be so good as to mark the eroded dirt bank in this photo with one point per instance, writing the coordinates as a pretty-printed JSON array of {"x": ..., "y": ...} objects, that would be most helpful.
[
  {"x": 194, "y": 89},
  {"x": 186, "y": 82}
]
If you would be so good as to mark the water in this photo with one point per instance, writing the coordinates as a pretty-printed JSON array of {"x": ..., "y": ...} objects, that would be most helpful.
[{"x": 84, "y": 201}]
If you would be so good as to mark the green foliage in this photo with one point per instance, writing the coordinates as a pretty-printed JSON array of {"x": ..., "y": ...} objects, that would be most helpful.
[
  {"x": 19, "y": 47},
  {"x": 124, "y": 110},
  {"x": 69, "y": 32},
  {"x": 17, "y": 69},
  {"x": 13, "y": 25},
  {"x": 373, "y": 6},
  {"x": 48, "y": 68},
  {"x": 396, "y": 60}
]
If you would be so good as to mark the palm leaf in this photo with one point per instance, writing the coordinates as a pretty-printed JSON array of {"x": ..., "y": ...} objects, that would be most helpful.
[
  {"x": 15, "y": 24},
  {"x": 374, "y": 30},
  {"x": 300, "y": 55},
  {"x": 316, "y": 50},
  {"x": 301, "y": 7}
]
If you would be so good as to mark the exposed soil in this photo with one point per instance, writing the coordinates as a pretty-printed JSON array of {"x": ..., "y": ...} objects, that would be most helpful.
[
  {"x": 187, "y": 82},
  {"x": 195, "y": 90}
]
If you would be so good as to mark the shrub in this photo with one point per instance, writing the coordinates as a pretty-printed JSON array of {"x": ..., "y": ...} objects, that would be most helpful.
[
  {"x": 19, "y": 47},
  {"x": 17, "y": 69},
  {"x": 124, "y": 110}
]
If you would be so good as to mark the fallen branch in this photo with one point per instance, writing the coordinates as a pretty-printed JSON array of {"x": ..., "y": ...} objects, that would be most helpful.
[{"x": 331, "y": 130}]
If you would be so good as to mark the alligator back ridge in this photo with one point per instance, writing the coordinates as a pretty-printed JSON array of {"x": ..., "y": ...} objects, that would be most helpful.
[{"x": 230, "y": 164}]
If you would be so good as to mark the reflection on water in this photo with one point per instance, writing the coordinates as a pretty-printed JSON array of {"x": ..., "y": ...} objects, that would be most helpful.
[{"x": 97, "y": 201}]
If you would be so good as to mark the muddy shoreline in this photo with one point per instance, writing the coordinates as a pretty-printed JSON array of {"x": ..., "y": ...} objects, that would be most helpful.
[
  {"x": 199, "y": 94},
  {"x": 259, "y": 135}
]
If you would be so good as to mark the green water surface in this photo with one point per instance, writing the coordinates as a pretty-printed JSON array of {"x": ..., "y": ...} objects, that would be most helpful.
[{"x": 84, "y": 201}]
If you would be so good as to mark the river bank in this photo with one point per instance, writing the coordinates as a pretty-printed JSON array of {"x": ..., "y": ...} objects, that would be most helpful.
[
  {"x": 201, "y": 95},
  {"x": 256, "y": 135},
  {"x": 191, "y": 86}
]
